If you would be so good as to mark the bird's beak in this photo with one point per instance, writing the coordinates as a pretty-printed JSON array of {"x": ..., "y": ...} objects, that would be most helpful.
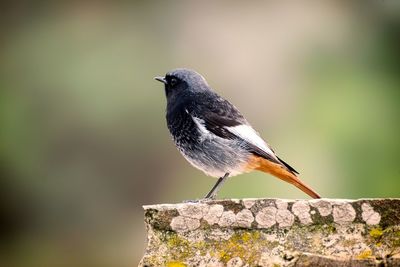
[{"x": 161, "y": 79}]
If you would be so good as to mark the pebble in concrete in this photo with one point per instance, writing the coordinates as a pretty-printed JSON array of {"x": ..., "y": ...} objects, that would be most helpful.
[
  {"x": 302, "y": 210},
  {"x": 368, "y": 214},
  {"x": 266, "y": 217},
  {"x": 244, "y": 218},
  {"x": 228, "y": 218},
  {"x": 324, "y": 207},
  {"x": 214, "y": 214},
  {"x": 343, "y": 213}
]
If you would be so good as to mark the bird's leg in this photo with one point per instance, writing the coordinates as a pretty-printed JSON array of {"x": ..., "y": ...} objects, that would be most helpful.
[{"x": 214, "y": 191}]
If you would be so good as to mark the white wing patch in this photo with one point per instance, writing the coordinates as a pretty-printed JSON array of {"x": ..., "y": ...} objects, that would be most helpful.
[
  {"x": 247, "y": 133},
  {"x": 201, "y": 126}
]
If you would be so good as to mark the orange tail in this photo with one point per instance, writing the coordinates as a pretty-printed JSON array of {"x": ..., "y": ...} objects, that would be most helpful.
[{"x": 279, "y": 171}]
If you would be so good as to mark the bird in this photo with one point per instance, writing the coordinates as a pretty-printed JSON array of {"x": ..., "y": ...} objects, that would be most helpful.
[{"x": 213, "y": 136}]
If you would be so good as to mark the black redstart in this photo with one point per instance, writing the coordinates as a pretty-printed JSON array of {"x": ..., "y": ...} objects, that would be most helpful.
[{"x": 214, "y": 136}]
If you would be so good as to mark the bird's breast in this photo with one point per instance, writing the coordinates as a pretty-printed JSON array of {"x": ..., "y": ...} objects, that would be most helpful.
[{"x": 182, "y": 128}]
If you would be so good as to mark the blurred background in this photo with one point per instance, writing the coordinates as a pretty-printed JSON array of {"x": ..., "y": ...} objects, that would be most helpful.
[{"x": 83, "y": 138}]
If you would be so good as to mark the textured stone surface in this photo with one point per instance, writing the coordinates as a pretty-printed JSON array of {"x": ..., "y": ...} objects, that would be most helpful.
[{"x": 274, "y": 232}]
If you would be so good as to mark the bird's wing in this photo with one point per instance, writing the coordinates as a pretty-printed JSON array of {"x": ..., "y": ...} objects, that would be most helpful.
[{"x": 217, "y": 116}]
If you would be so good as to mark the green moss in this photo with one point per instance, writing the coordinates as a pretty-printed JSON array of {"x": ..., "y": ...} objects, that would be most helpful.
[
  {"x": 160, "y": 220},
  {"x": 330, "y": 228},
  {"x": 396, "y": 241},
  {"x": 389, "y": 209},
  {"x": 394, "y": 237},
  {"x": 326, "y": 229}
]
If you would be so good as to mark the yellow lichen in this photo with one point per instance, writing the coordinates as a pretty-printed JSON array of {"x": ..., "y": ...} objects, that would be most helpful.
[
  {"x": 175, "y": 241},
  {"x": 246, "y": 237},
  {"x": 238, "y": 244},
  {"x": 365, "y": 254},
  {"x": 181, "y": 249},
  {"x": 376, "y": 233},
  {"x": 176, "y": 264},
  {"x": 234, "y": 247}
]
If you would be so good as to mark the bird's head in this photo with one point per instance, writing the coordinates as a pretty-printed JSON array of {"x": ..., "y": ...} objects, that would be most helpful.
[{"x": 179, "y": 81}]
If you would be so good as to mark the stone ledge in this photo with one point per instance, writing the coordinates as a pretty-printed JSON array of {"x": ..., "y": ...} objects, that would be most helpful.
[{"x": 274, "y": 232}]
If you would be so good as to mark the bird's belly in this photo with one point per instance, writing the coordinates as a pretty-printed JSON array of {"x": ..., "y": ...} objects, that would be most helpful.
[{"x": 215, "y": 156}]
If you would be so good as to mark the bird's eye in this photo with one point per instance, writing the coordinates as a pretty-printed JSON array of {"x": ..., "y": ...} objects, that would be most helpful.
[{"x": 173, "y": 82}]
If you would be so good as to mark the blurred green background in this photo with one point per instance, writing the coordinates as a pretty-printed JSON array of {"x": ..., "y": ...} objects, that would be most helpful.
[{"x": 83, "y": 138}]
